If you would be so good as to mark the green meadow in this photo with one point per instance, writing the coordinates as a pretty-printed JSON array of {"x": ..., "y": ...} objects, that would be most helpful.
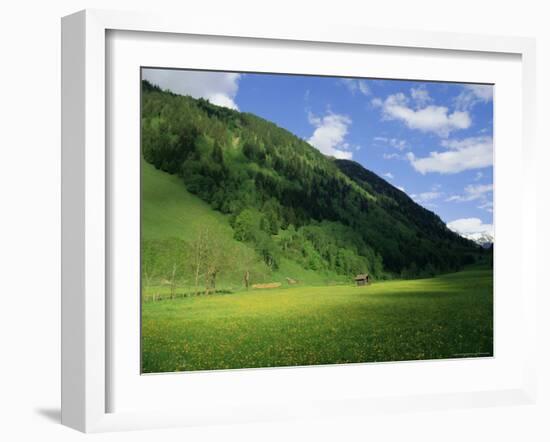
[{"x": 450, "y": 316}]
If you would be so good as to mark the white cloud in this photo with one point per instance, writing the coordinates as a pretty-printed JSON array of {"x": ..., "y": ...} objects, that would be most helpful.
[
  {"x": 376, "y": 102},
  {"x": 401, "y": 188},
  {"x": 469, "y": 226},
  {"x": 426, "y": 196},
  {"x": 393, "y": 142},
  {"x": 391, "y": 156},
  {"x": 330, "y": 134},
  {"x": 482, "y": 91},
  {"x": 420, "y": 96},
  {"x": 363, "y": 87},
  {"x": 473, "y": 192},
  {"x": 470, "y": 153},
  {"x": 398, "y": 144},
  {"x": 473, "y": 94},
  {"x": 436, "y": 119},
  {"x": 487, "y": 205},
  {"x": 313, "y": 119},
  {"x": 220, "y": 99},
  {"x": 389, "y": 175},
  {"x": 219, "y": 88},
  {"x": 355, "y": 86}
]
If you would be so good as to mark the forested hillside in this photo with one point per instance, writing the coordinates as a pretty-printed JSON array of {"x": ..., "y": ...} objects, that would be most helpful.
[{"x": 286, "y": 201}]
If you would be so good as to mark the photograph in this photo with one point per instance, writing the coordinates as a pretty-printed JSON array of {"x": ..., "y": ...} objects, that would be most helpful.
[{"x": 302, "y": 220}]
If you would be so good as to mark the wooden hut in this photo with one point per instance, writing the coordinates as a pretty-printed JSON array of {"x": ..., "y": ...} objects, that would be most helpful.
[{"x": 362, "y": 279}]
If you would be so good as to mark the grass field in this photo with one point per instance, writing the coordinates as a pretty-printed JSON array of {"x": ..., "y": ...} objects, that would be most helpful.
[{"x": 444, "y": 317}]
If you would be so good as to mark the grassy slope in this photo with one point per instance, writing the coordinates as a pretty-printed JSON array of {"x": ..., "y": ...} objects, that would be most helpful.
[
  {"x": 447, "y": 316},
  {"x": 169, "y": 210}
]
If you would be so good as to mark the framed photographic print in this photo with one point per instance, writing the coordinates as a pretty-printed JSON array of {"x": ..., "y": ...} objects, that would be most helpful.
[{"x": 252, "y": 232}]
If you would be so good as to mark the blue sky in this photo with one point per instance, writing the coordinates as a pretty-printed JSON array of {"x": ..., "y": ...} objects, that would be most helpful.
[{"x": 432, "y": 140}]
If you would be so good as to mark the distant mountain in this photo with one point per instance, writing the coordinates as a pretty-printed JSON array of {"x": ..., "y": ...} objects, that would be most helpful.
[
  {"x": 485, "y": 240},
  {"x": 289, "y": 201}
]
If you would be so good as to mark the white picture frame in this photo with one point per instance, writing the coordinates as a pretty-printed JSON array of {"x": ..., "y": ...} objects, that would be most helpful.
[{"x": 86, "y": 206}]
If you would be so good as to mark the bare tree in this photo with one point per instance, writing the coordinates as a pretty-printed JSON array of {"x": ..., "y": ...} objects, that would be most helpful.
[
  {"x": 216, "y": 259},
  {"x": 210, "y": 253},
  {"x": 198, "y": 255},
  {"x": 246, "y": 260},
  {"x": 147, "y": 277},
  {"x": 173, "y": 282}
]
